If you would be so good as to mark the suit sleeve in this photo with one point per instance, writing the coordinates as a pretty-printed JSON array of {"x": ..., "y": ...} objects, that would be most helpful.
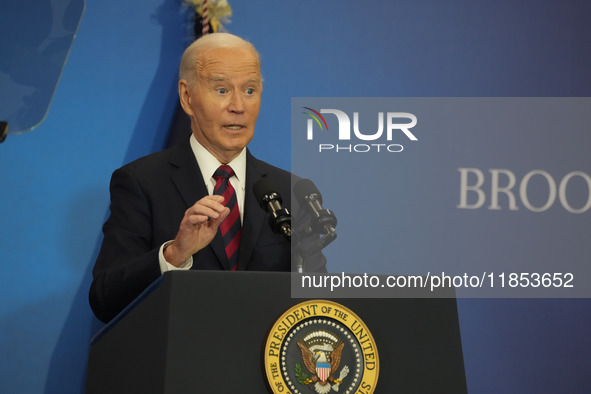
[{"x": 128, "y": 259}]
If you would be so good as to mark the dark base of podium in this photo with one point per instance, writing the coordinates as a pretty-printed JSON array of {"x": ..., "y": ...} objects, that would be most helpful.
[{"x": 204, "y": 332}]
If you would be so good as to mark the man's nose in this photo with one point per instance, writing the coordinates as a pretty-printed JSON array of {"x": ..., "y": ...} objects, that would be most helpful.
[{"x": 236, "y": 102}]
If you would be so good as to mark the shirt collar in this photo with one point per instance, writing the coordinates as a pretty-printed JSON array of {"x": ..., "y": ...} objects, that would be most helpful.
[{"x": 208, "y": 163}]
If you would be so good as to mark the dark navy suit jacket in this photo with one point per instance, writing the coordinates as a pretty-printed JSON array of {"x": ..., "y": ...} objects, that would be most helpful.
[{"x": 149, "y": 198}]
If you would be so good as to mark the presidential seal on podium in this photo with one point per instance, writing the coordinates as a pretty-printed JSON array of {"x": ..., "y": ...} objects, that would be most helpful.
[{"x": 320, "y": 346}]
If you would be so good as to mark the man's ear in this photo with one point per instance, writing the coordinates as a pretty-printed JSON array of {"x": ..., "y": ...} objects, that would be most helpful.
[{"x": 185, "y": 97}]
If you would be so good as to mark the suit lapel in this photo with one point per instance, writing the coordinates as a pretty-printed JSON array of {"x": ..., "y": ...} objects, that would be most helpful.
[
  {"x": 254, "y": 215},
  {"x": 186, "y": 177}
]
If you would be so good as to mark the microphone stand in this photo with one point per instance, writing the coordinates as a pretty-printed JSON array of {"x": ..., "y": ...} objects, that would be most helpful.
[{"x": 323, "y": 225}]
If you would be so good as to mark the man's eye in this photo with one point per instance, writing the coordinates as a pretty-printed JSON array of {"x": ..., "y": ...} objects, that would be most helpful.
[
  {"x": 249, "y": 91},
  {"x": 222, "y": 90}
]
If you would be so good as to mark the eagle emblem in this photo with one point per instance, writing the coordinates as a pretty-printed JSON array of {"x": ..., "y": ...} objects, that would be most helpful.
[{"x": 321, "y": 354}]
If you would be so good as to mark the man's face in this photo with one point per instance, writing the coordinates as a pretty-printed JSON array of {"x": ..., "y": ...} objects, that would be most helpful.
[{"x": 224, "y": 103}]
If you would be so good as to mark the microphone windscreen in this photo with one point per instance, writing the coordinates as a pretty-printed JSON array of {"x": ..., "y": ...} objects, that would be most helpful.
[
  {"x": 304, "y": 188},
  {"x": 263, "y": 187}
]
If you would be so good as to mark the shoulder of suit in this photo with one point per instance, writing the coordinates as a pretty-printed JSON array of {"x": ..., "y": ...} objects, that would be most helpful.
[
  {"x": 267, "y": 168},
  {"x": 155, "y": 160}
]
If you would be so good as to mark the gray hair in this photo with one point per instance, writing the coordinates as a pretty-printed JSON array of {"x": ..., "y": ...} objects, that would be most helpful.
[{"x": 187, "y": 69}]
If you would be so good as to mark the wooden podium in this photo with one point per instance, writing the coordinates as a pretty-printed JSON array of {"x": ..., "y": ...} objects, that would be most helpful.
[{"x": 204, "y": 332}]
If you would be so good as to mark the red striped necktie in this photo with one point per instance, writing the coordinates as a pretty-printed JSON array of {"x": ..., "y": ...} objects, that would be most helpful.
[{"x": 231, "y": 228}]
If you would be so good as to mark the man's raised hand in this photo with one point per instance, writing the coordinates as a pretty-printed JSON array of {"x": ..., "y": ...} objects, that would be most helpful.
[{"x": 197, "y": 229}]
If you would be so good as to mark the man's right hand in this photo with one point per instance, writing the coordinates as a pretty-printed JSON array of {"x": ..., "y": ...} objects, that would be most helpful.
[{"x": 197, "y": 229}]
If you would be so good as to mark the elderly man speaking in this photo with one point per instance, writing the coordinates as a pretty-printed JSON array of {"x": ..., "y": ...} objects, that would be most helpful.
[{"x": 192, "y": 206}]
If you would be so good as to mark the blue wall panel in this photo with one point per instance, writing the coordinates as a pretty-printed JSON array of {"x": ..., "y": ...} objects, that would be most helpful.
[{"x": 112, "y": 103}]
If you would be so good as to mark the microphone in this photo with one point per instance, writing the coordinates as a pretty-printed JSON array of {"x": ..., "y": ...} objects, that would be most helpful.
[
  {"x": 270, "y": 200},
  {"x": 323, "y": 220}
]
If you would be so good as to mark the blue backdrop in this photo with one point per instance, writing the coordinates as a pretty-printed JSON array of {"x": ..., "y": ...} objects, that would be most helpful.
[{"x": 115, "y": 102}]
